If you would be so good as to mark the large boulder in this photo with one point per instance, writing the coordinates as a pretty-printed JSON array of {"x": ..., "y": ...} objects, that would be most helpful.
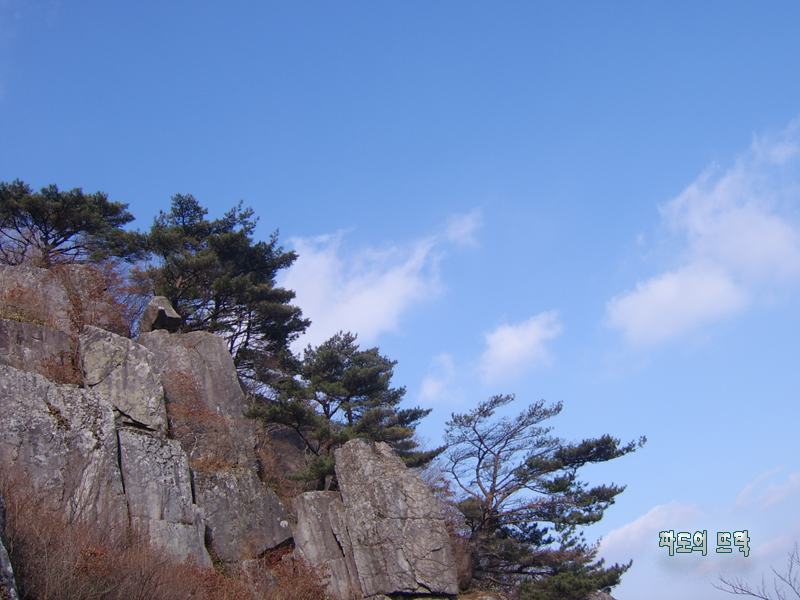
[
  {"x": 159, "y": 314},
  {"x": 205, "y": 402},
  {"x": 398, "y": 535},
  {"x": 62, "y": 440},
  {"x": 38, "y": 348},
  {"x": 158, "y": 486},
  {"x": 243, "y": 517},
  {"x": 321, "y": 539},
  {"x": 125, "y": 374},
  {"x": 385, "y": 536}
]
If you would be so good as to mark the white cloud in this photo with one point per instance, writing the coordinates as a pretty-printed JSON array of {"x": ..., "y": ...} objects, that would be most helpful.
[
  {"x": 461, "y": 228},
  {"x": 775, "y": 494},
  {"x": 674, "y": 302},
  {"x": 438, "y": 385},
  {"x": 737, "y": 238},
  {"x": 366, "y": 292},
  {"x": 513, "y": 349},
  {"x": 642, "y": 533},
  {"x": 745, "y": 497}
]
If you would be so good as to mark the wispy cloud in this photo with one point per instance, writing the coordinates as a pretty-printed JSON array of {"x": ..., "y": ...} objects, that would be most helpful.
[
  {"x": 641, "y": 533},
  {"x": 737, "y": 237},
  {"x": 461, "y": 229},
  {"x": 368, "y": 290},
  {"x": 439, "y": 384},
  {"x": 745, "y": 497},
  {"x": 513, "y": 349}
]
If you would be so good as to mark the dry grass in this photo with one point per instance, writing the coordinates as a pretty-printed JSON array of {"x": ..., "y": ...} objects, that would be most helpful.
[{"x": 56, "y": 558}]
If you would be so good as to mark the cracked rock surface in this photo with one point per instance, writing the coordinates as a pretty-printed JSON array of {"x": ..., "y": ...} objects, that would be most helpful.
[
  {"x": 399, "y": 540},
  {"x": 384, "y": 534},
  {"x": 124, "y": 373}
]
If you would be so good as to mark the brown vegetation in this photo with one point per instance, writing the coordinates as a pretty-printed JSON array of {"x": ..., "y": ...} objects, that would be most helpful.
[
  {"x": 202, "y": 433},
  {"x": 20, "y": 304},
  {"x": 90, "y": 302},
  {"x": 56, "y": 558}
]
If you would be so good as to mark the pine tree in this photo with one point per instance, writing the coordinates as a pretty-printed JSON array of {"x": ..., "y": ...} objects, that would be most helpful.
[
  {"x": 220, "y": 280},
  {"x": 523, "y": 503},
  {"x": 344, "y": 393},
  {"x": 51, "y": 227}
]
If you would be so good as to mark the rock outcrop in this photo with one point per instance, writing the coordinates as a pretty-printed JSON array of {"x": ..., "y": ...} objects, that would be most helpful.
[
  {"x": 243, "y": 517},
  {"x": 63, "y": 439},
  {"x": 159, "y": 314},
  {"x": 151, "y": 434},
  {"x": 158, "y": 486},
  {"x": 387, "y": 529},
  {"x": 321, "y": 539},
  {"x": 102, "y": 450},
  {"x": 125, "y": 374},
  {"x": 204, "y": 397}
]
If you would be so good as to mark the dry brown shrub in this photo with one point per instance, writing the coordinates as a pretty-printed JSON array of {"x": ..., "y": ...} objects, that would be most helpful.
[
  {"x": 56, "y": 558},
  {"x": 294, "y": 579},
  {"x": 90, "y": 300},
  {"x": 64, "y": 367},
  {"x": 20, "y": 304},
  {"x": 457, "y": 528},
  {"x": 277, "y": 459},
  {"x": 203, "y": 433}
]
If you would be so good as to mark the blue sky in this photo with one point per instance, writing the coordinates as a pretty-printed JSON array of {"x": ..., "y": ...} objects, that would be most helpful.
[{"x": 594, "y": 203}]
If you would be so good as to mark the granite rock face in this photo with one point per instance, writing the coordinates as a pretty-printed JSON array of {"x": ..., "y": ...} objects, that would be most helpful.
[
  {"x": 158, "y": 486},
  {"x": 64, "y": 441},
  {"x": 44, "y": 350},
  {"x": 67, "y": 445},
  {"x": 384, "y": 534},
  {"x": 157, "y": 439},
  {"x": 243, "y": 517},
  {"x": 398, "y": 535},
  {"x": 321, "y": 539},
  {"x": 159, "y": 314},
  {"x": 206, "y": 402},
  {"x": 124, "y": 373}
]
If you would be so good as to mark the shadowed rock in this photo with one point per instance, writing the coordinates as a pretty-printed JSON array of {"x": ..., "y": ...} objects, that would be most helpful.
[
  {"x": 243, "y": 517},
  {"x": 8, "y": 584}
]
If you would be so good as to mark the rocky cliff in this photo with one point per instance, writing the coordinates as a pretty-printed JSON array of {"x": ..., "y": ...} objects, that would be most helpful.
[{"x": 150, "y": 434}]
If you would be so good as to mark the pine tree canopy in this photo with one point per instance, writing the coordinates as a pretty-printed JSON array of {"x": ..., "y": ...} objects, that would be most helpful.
[
  {"x": 220, "y": 280},
  {"x": 522, "y": 500},
  {"x": 52, "y": 227},
  {"x": 343, "y": 393}
]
